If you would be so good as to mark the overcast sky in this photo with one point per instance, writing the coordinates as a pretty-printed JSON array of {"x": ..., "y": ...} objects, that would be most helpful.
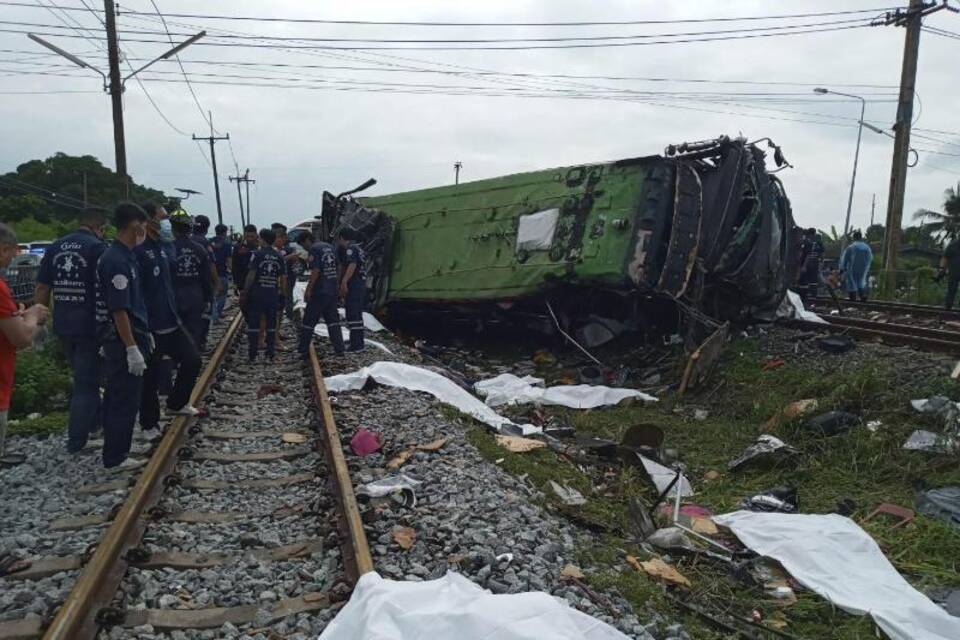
[{"x": 298, "y": 142}]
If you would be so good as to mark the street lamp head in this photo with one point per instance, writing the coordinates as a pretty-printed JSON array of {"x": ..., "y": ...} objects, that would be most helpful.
[{"x": 821, "y": 91}]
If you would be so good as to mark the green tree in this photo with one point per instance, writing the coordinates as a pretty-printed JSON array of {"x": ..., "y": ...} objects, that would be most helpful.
[
  {"x": 875, "y": 232},
  {"x": 946, "y": 223}
]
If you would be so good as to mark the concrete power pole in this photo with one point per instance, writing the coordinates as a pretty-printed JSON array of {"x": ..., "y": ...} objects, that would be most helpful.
[
  {"x": 873, "y": 208},
  {"x": 116, "y": 96},
  {"x": 237, "y": 179},
  {"x": 456, "y": 168},
  {"x": 912, "y": 19},
  {"x": 245, "y": 178},
  {"x": 212, "y": 139}
]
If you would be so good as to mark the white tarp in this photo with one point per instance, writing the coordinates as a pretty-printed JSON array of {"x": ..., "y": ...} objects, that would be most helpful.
[
  {"x": 509, "y": 389},
  {"x": 405, "y": 376},
  {"x": 662, "y": 477},
  {"x": 792, "y": 307},
  {"x": 834, "y": 557},
  {"x": 535, "y": 231},
  {"x": 453, "y": 607},
  {"x": 370, "y": 323}
]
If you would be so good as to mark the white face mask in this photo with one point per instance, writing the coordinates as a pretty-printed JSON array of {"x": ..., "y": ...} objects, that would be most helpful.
[
  {"x": 141, "y": 237},
  {"x": 166, "y": 230}
]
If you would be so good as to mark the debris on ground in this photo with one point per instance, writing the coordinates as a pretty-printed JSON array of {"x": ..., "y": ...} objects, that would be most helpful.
[
  {"x": 836, "y": 343},
  {"x": 292, "y": 437},
  {"x": 455, "y": 607},
  {"x": 668, "y": 481},
  {"x": 832, "y": 556},
  {"x": 404, "y": 536},
  {"x": 923, "y": 440},
  {"x": 777, "y": 499},
  {"x": 364, "y": 442},
  {"x": 766, "y": 451},
  {"x": 568, "y": 495},
  {"x": 269, "y": 389},
  {"x": 942, "y": 503},
  {"x": 901, "y": 514},
  {"x": 948, "y": 598},
  {"x": 399, "y": 487},
  {"x": 397, "y": 461},
  {"x": 516, "y": 444},
  {"x": 657, "y": 568},
  {"x": 831, "y": 423},
  {"x": 791, "y": 411},
  {"x": 572, "y": 571},
  {"x": 508, "y": 389}
]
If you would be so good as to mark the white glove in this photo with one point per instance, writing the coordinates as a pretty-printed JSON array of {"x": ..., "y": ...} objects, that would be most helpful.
[
  {"x": 135, "y": 362},
  {"x": 152, "y": 343}
]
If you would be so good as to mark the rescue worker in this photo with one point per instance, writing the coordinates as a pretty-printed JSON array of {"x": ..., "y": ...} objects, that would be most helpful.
[
  {"x": 68, "y": 272},
  {"x": 353, "y": 285},
  {"x": 18, "y": 328},
  {"x": 811, "y": 254},
  {"x": 282, "y": 245},
  {"x": 192, "y": 278},
  {"x": 222, "y": 252},
  {"x": 855, "y": 267},
  {"x": 241, "y": 257},
  {"x": 320, "y": 295},
  {"x": 123, "y": 332},
  {"x": 950, "y": 267},
  {"x": 261, "y": 294},
  {"x": 155, "y": 259},
  {"x": 201, "y": 225}
]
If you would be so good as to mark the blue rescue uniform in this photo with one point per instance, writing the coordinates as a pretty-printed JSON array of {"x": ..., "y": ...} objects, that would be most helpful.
[
  {"x": 192, "y": 287},
  {"x": 222, "y": 252},
  {"x": 69, "y": 269},
  {"x": 323, "y": 298},
  {"x": 262, "y": 297},
  {"x": 119, "y": 289},
  {"x": 155, "y": 259},
  {"x": 207, "y": 314},
  {"x": 356, "y": 298}
]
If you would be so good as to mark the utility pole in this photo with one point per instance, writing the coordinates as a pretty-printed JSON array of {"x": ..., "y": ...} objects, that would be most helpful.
[
  {"x": 456, "y": 169},
  {"x": 912, "y": 19},
  {"x": 246, "y": 179},
  {"x": 212, "y": 139},
  {"x": 873, "y": 208},
  {"x": 116, "y": 96}
]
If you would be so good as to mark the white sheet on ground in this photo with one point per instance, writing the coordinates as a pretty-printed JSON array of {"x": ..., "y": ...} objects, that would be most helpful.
[
  {"x": 454, "y": 607},
  {"x": 370, "y": 323},
  {"x": 509, "y": 389},
  {"x": 792, "y": 307},
  {"x": 405, "y": 376},
  {"x": 834, "y": 557},
  {"x": 321, "y": 330},
  {"x": 662, "y": 477}
]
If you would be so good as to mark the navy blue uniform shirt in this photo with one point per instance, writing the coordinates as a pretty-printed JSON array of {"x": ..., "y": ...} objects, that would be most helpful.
[
  {"x": 118, "y": 288},
  {"x": 241, "y": 264},
  {"x": 353, "y": 254},
  {"x": 191, "y": 276},
  {"x": 267, "y": 267},
  {"x": 323, "y": 258},
  {"x": 69, "y": 268},
  {"x": 222, "y": 250},
  {"x": 155, "y": 259}
]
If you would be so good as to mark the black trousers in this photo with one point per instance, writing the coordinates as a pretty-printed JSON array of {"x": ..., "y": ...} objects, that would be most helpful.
[
  {"x": 355, "y": 302},
  {"x": 261, "y": 306},
  {"x": 179, "y": 346},
  {"x": 321, "y": 304},
  {"x": 121, "y": 400}
]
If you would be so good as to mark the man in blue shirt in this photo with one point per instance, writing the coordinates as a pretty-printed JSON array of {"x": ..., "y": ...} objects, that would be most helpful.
[
  {"x": 321, "y": 294},
  {"x": 855, "y": 268},
  {"x": 123, "y": 333},
  {"x": 201, "y": 225},
  {"x": 261, "y": 294},
  {"x": 222, "y": 252},
  {"x": 353, "y": 285},
  {"x": 68, "y": 271},
  {"x": 192, "y": 278},
  {"x": 155, "y": 258}
]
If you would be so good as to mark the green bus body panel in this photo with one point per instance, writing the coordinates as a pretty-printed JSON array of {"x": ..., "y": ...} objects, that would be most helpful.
[{"x": 459, "y": 242}]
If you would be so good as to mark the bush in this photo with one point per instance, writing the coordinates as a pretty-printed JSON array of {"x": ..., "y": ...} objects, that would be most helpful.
[
  {"x": 50, "y": 424},
  {"x": 41, "y": 383}
]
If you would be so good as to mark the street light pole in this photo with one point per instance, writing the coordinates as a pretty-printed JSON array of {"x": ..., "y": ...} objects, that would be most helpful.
[{"x": 856, "y": 158}]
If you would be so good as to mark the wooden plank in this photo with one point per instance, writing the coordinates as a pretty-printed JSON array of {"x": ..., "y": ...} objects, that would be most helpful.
[
  {"x": 259, "y": 483},
  {"x": 79, "y": 522},
  {"x": 46, "y": 566},
  {"x": 265, "y": 456},
  {"x": 171, "y": 619},
  {"x": 24, "y": 629},
  {"x": 242, "y": 435},
  {"x": 106, "y": 487},
  {"x": 178, "y": 560},
  {"x": 206, "y": 517}
]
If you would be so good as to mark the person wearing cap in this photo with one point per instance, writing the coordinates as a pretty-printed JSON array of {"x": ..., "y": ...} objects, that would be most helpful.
[
  {"x": 321, "y": 294},
  {"x": 261, "y": 294},
  {"x": 155, "y": 258},
  {"x": 353, "y": 285},
  {"x": 192, "y": 279},
  {"x": 68, "y": 274},
  {"x": 123, "y": 332},
  {"x": 201, "y": 225}
]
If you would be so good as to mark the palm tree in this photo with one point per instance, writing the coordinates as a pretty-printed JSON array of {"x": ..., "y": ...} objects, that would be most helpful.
[{"x": 948, "y": 222}]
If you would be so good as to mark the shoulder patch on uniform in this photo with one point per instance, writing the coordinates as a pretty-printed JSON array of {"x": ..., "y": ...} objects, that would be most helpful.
[
  {"x": 119, "y": 282},
  {"x": 349, "y": 252},
  {"x": 156, "y": 271}
]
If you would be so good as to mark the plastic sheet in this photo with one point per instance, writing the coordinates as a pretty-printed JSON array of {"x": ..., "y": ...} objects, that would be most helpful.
[
  {"x": 405, "y": 376},
  {"x": 535, "y": 231},
  {"x": 792, "y": 307},
  {"x": 370, "y": 323},
  {"x": 662, "y": 477},
  {"x": 832, "y": 556},
  {"x": 509, "y": 389},
  {"x": 454, "y": 607}
]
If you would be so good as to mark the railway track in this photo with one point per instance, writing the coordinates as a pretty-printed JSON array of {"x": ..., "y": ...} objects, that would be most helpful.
[
  {"x": 261, "y": 482},
  {"x": 893, "y": 308},
  {"x": 923, "y": 338}
]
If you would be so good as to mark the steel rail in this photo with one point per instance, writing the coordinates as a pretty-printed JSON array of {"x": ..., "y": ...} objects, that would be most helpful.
[
  {"x": 904, "y": 335},
  {"x": 100, "y": 578},
  {"x": 894, "y": 307},
  {"x": 899, "y": 328},
  {"x": 353, "y": 539}
]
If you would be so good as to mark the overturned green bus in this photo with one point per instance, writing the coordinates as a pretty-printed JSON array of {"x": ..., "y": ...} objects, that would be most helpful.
[{"x": 707, "y": 225}]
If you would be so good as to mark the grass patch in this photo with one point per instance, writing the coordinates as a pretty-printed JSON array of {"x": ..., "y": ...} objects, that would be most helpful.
[
  {"x": 865, "y": 467},
  {"x": 48, "y": 425}
]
